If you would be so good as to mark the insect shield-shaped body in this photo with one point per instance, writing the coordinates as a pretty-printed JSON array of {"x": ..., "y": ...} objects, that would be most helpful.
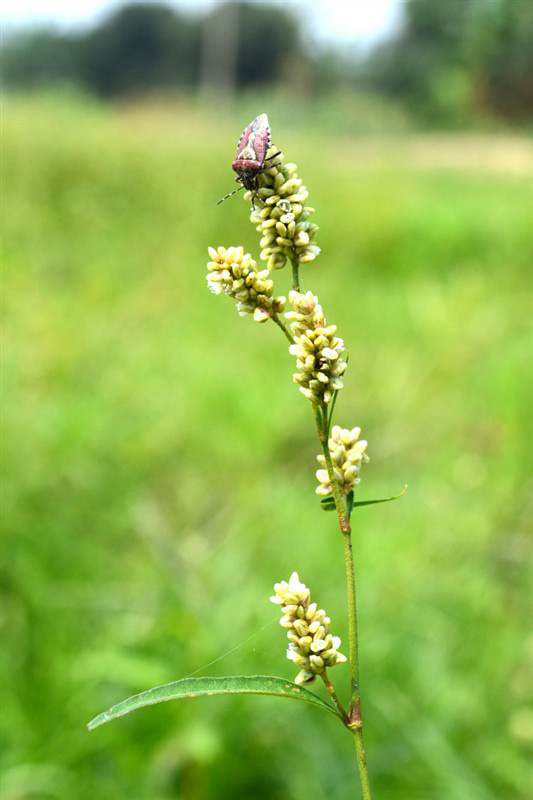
[
  {"x": 251, "y": 151},
  {"x": 250, "y": 158}
]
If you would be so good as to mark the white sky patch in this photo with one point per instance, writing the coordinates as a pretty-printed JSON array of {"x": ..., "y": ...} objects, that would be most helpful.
[
  {"x": 62, "y": 13},
  {"x": 326, "y": 21},
  {"x": 345, "y": 21}
]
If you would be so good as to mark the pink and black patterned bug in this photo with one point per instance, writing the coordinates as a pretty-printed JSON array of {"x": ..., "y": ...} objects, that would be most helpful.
[{"x": 250, "y": 160}]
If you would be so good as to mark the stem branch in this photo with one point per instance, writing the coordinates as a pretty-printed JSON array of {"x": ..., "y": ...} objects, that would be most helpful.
[
  {"x": 281, "y": 325},
  {"x": 333, "y": 694}
]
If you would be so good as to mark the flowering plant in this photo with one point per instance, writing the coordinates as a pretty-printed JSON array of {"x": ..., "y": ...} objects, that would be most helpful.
[{"x": 282, "y": 219}]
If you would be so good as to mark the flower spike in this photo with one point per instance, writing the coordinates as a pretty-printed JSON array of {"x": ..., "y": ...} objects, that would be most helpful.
[{"x": 311, "y": 645}]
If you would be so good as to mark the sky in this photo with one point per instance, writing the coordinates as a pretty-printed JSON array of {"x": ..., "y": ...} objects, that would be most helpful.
[{"x": 327, "y": 21}]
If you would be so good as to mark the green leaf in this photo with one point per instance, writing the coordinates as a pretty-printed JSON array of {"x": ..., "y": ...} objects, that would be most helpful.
[
  {"x": 382, "y": 500},
  {"x": 328, "y": 503},
  {"x": 198, "y": 687},
  {"x": 349, "y": 502}
]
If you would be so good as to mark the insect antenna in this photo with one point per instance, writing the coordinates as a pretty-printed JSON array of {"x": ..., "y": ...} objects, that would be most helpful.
[{"x": 229, "y": 195}]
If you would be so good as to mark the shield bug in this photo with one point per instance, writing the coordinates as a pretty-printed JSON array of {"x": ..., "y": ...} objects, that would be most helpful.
[{"x": 250, "y": 160}]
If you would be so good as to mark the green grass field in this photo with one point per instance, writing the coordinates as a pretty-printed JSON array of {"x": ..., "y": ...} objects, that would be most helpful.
[{"x": 159, "y": 462}]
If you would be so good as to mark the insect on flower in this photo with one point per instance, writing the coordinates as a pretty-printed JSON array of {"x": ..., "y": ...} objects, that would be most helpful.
[{"x": 250, "y": 159}]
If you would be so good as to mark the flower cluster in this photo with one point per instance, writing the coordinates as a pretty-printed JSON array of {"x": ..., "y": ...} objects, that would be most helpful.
[
  {"x": 347, "y": 454},
  {"x": 235, "y": 273},
  {"x": 320, "y": 355},
  {"x": 283, "y": 220},
  {"x": 312, "y": 647}
]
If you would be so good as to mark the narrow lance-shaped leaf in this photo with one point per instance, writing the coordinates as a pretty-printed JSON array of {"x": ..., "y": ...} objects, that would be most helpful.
[
  {"x": 198, "y": 687},
  {"x": 373, "y": 502},
  {"x": 328, "y": 503}
]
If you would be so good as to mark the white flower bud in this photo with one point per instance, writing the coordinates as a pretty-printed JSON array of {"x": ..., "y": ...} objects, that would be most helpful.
[
  {"x": 305, "y": 677},
  {"x": 300, "y": 627},
  {"x": 317, "y": 663}
]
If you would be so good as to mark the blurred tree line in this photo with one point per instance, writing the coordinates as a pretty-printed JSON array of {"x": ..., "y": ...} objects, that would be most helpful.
[
  {"x": 455, "y": 58},
  {"x": 451, "y": 60}
]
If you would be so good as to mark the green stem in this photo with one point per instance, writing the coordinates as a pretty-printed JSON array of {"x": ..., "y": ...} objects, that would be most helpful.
[
  {"x": 355, "y": 723},
  {"x": 361, "y": 761},
  {"x": 355, "y": 698},
  {"x": 295, "y": 276},
  {"x": 321, "y": 419},
  {"x": 280, "y": 324},
  {"x": 333, "y": 694}
]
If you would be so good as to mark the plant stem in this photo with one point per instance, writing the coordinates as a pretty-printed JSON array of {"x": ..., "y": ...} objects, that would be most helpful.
[
  {"x": 338, "y": 705},
  {"x": 295, "y": 276},
  {"x": 352, "y": 624},
  {"x": 355, "y": 722},
  {"x": 361, "y": 761},
  {"x": 321, "y": 419},
  {"x": 280, "y": 324}
]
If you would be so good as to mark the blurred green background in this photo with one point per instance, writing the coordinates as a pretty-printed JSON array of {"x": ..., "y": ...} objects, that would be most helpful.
[{"x": 158, "y": 464}]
